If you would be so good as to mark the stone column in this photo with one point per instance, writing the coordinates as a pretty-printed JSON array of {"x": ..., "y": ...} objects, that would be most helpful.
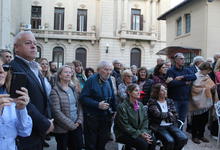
[
  {"x": 119, "y": 14},
  {"x": 125, "y": 15},
  {"x": 148, "y": 16},
  {"x": 153, "y": 11},
  {"x": 5, "y": 26}
]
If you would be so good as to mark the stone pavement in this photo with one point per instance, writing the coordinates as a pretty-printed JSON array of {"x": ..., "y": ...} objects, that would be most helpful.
[{"x": 190, "y": 145}]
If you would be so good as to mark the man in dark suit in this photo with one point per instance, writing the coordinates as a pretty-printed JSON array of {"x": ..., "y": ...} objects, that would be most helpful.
[{"x": 25, "y": 50}]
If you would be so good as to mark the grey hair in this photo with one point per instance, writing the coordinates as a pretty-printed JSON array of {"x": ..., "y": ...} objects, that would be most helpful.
[
  {"x": 133, "y": 67},
  {"x": 103, "y": 64},
  {"x": 20, "y": 34},
  {"x": 197, "y": 59},
  {"x": 216, "y": 56},
  {"x": 126, "y": 72},
  {"x": 116, "y": 62},
  {"x": 177, "y": 55},
  {"x": 59, "y": 71}
]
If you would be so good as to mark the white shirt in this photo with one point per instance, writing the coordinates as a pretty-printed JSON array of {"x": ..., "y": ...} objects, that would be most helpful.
[{"x": 164, "y": 108}]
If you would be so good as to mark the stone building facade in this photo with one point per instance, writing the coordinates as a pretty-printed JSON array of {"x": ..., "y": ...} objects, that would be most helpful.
[
  {"x": 192, "y": 26},
  {"x": 89, "y": 30}
]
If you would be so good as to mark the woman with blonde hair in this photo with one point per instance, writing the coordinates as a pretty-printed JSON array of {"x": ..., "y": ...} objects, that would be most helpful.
[
  {"x": 67, "y": 111},
  {"x": 75, "y": 81},
  {"x": 45, "y": 70}
]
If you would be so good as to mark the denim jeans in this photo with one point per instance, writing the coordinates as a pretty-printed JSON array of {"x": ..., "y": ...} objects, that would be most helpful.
[
  {"x": 182, "y": 109},
  {"x": 172, "y": 137}
]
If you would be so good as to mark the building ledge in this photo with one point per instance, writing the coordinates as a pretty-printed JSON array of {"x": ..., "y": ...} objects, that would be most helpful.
[
  {"x": 61, "y": 34},
  {"x": 137, "y": 35}
]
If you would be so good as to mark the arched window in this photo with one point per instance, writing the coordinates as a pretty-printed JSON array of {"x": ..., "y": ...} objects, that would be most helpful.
[
  {"x": 38, "y": 53},
  {"x": 58, "y": 56},
  {"x": 136, "y": 57},
  {"x": 81, "y": 56}
]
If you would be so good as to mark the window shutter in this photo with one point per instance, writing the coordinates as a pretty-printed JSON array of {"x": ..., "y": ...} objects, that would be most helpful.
[
  {"x": 62, "y": 20},
  {"x": 85, "y": 22},
  {"x": 132, "y": 25},
  {"x": 141, "y": 22},
  {"x": 56, "y": 18},
  {"x": 78, "y": 22}
]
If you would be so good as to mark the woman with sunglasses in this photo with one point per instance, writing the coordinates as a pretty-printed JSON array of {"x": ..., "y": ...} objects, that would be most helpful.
[{"x": 14, "y": 119}]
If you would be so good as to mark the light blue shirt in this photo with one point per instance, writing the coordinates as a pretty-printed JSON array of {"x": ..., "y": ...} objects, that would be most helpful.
[
  {"x": 34, "y": 66},
  {"x": 13, "y": 122}
]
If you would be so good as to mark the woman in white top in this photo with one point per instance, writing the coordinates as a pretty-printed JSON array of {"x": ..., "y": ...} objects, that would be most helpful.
[
  {"x": 14, "y": 119},
  {"x": 163, "y": 119}
]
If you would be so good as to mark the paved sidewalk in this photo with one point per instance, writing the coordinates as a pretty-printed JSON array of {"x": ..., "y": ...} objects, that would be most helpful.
[{"x": 190, "y": 145}]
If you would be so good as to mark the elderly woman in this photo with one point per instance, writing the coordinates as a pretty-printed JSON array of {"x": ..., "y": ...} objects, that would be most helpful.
[
  {"x": 14, "y": 119},
  {"x": 131, "y": 122},
  {"x": 127, "y": 79},
  {"x": 66, "y": 111},
  {"x": 163, "y": 119},
  {"x": 145, "y": 84},
  {"x": 201, "y": 102}
]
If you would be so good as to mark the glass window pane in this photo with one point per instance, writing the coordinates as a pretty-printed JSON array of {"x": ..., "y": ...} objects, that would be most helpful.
[
  {"x": 35, "y": 17},
  {"x": 59, "y": 19},
  {"x": 58, "y": 56},
  {"x": 81, "y": 55},
  {"x": 188, "y": 22},
  {"x": 179, "y": 26},
  {"x": 136, "y": 57},
  {"x": 82, "y": 20}
]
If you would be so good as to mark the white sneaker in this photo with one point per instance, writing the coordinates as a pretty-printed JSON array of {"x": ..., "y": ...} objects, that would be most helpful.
[{"x": 215, "y": 137}]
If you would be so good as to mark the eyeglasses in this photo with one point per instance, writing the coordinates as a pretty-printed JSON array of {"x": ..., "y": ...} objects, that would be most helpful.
[{"x": 6, "y": 67}]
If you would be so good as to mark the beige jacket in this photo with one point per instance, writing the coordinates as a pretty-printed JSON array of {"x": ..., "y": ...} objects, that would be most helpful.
[
  {"x": 61, "y": 109},
  {"x": 202, "y": 96}
]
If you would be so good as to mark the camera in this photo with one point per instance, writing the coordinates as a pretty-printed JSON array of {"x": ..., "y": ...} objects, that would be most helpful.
[{"x": 109, "y": 110}]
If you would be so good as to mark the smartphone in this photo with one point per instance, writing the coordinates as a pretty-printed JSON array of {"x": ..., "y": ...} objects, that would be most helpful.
[{"x": 18, "y": 80}]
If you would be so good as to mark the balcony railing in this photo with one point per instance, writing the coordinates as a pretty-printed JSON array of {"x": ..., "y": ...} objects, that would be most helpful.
[
  {"x": 61, "y": 34},
  {"x": 140, "y": 35}
]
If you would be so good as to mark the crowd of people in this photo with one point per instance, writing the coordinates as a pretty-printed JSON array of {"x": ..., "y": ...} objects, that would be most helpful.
[{"x": 80, "y": 107}]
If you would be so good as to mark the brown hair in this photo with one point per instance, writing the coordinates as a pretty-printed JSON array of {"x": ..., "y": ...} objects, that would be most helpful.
[
  {"x": 77, "y": 63},
  {"x": 155, "y": 91},
  {"x": 138, "y": 73},
  {"x": 205, "y": 66},
  {"x": 131, "y": 88},
  {"x": 7, "y": 78}
]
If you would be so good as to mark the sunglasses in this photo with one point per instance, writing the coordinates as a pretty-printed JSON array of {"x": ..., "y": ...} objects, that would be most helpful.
[{"x": 6, "y": 67}]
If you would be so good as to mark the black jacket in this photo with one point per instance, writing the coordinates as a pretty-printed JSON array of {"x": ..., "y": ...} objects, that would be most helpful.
[
  {"x": 38, "y": 106},
  {"x": 156, "y": 115}
]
